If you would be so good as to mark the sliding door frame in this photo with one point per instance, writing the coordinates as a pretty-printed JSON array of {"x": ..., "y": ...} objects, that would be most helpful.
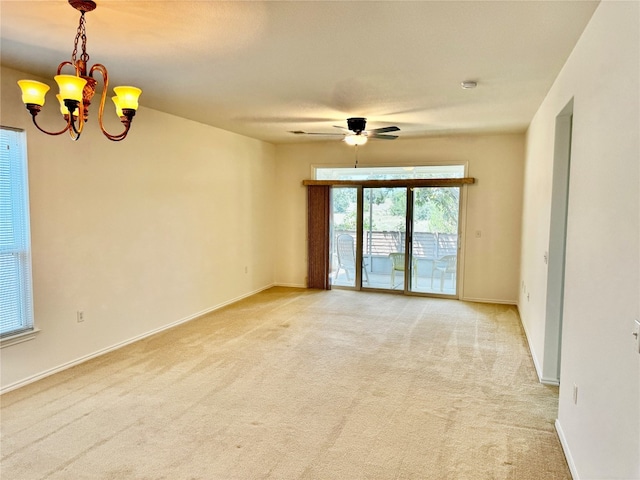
[
  {"x": 359, "y": 233},
  {"x": 409, "y": 184}
]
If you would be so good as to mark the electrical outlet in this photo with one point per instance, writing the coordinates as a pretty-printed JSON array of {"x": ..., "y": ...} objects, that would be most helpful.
[{"x": 80, "y": 316}]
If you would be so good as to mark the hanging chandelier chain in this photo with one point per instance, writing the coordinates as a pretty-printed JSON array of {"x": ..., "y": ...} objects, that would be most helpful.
[{"x": 80, "y": 35}]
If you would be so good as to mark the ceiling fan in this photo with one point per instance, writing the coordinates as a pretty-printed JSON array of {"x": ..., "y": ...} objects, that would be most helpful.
[{"x": 356, "y": 134}]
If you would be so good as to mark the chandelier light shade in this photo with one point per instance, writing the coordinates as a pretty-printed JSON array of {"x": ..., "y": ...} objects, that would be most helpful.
[
  {"x": 127, "y": 97},
  {"x": 116, "y": 102},
  {"x": 71, "y": 87},
  {"x": 33, "y": 92},
  {"x": 77, "y": 90}
]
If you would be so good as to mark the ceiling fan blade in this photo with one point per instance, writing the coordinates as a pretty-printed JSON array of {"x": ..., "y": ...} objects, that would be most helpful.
[
  {"x": 356, "y": 126},
  {"x": 384, "y": 129},
  {"x": 382, "y": 137},
  {"x": 300, "y": 132}
]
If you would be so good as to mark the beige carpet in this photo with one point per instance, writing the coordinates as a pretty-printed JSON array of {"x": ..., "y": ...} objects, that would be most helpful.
[{"x": 298, "y": 384}]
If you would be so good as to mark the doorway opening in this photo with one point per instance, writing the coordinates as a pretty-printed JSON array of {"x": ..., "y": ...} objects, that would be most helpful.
[{"x": 555, "y": 257}]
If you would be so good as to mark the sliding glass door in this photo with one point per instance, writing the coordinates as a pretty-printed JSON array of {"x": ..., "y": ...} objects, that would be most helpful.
[
  {"x": 384, "y": 212},
  {"x": 395, "y": 239},
  {"x": 433, "y": 243},
  {"x": 343, "y": 225}
]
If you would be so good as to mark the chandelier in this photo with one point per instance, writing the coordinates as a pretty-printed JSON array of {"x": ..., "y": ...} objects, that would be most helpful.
[{"x": 77, "y": 91}]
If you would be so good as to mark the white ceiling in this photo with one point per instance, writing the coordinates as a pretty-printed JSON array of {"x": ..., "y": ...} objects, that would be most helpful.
[{"x": 265, "y": 68}]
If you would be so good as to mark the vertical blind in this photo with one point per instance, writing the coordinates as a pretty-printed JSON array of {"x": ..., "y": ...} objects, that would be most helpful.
[
  {"x": 16, "y": 311},
  {"x": 318, "y": 205}
]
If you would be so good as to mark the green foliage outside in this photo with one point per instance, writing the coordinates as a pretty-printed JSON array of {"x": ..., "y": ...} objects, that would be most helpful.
[{"x": 435, "y": 209}]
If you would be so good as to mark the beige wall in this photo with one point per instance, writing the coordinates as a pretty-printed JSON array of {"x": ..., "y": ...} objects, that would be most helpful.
[
  {"x": 601, "y": 433},
  {"x": 138, "y": 234},
  {"x": 493, "y": 204}
]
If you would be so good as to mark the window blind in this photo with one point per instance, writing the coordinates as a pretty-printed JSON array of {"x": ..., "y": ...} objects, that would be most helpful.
[
  {"x": 318, "y": 205},
  {"x": 16, "y": 310}
]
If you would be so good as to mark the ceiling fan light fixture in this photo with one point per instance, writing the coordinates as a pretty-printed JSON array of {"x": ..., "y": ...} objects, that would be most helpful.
[
  {"x": 355, "y": 140},
  {"x": 77, "y": 91}
]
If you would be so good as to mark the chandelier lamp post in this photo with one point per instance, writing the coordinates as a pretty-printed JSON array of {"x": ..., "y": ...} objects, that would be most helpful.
[{"x": 77, "y": 91}]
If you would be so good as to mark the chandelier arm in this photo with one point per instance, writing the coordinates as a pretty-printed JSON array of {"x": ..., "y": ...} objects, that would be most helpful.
[
  {"x": 78, "y": 130},
  {"x": 67, "y": 63},
  {"x": 126, "y": 121},
  {"x": 74, "y": 136},
  {"x": 123, "y": 135},
  {"x": 33, "y": 117}
]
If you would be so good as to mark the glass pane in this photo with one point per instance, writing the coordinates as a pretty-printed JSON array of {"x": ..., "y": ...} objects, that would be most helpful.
[
  {"x": 343, "y": 225},
  {"x": 384, "y": 236},
  {"x": 434, "y": 247}
]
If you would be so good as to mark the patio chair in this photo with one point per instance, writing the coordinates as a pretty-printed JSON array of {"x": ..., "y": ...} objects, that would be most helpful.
[
  {"x": 397, "y": 265},
  {"x": 425, "y": 252},
  {"x": 447, "y": 244},
  {"x": 345, "y": 246},
  {"x": 445, "y": 265}
]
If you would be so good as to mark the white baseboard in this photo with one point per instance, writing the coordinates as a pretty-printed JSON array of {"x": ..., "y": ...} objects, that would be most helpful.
[
  {"x": 567, "y": 452},
  {"x": 487, "y": 300},
  {"x": 72, "y": 363},
  {"x": 541, "y": 378},
  {"x": 537, "y": 366},
  {"x": 291, "y": 285},
  {"x": 550, "y": 381}
]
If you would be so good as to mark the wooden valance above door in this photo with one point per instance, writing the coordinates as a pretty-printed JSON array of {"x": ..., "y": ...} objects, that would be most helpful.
[{"x": 406, "y": 182}]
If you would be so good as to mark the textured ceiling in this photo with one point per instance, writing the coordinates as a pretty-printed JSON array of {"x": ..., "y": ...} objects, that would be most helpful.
[{"x": 266, "y": 68}]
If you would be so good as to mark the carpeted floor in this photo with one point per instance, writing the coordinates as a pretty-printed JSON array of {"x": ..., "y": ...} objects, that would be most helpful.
[{"x": 298, "y": 384}]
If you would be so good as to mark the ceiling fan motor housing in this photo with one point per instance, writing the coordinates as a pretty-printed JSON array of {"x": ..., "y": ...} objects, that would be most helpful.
[{"x": 357, "y": 124}]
